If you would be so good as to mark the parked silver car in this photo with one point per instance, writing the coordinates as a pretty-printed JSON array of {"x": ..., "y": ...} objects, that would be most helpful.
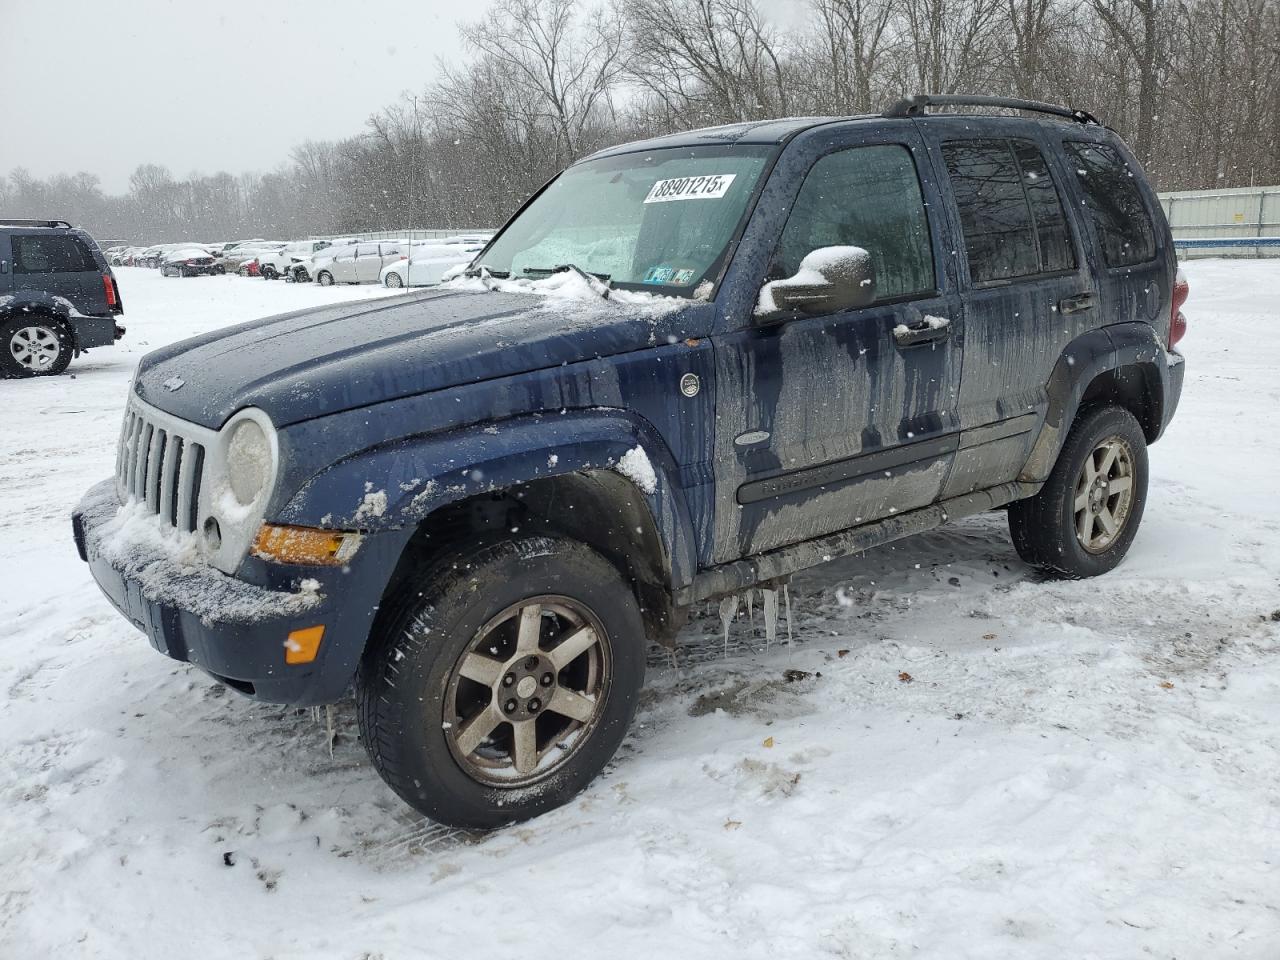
[{"x": 361, "y": 263}]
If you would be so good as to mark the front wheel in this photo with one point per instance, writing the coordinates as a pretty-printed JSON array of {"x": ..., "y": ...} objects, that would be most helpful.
[
  {"x": 324, "y": 278},
  {"x": 393, "y": 280},
  {"x": 502, "y": 681},
  {"x": 1084, "y": 519}
]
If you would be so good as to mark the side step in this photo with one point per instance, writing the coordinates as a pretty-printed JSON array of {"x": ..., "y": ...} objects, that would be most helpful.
[{"x": 733, "y": 577}]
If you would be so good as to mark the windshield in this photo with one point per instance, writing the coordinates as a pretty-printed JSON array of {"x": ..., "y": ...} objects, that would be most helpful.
[{"x": 659, "y": 220}]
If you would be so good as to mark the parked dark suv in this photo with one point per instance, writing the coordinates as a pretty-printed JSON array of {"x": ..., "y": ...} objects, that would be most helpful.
[
  {"x": 58, "y": 297},
  {"x": 686, "y": 367}
]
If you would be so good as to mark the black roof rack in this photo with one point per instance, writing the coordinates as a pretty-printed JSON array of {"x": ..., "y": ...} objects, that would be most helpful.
[
  {"x": 915, "y": 106},
  {"x": 12, "y": 222}
]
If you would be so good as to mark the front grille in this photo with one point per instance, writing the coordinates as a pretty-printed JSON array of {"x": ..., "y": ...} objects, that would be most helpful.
[{"x": 159, "y": 466}]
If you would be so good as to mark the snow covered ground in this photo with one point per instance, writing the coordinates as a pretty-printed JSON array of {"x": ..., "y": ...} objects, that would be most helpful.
[{"x": 973, "y": 762}]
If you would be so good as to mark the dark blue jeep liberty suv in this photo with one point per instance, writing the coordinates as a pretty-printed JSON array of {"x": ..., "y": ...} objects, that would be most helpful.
[{"x": 685, "y": 367}]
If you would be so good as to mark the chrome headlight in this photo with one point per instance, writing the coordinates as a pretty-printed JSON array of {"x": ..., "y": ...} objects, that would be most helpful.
[{"x": 249, "y": 462}]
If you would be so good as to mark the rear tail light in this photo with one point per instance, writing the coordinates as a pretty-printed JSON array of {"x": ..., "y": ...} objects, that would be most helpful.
[
  {"x": 1178, "y": 322},
  {"x": 109, "y": 289}
]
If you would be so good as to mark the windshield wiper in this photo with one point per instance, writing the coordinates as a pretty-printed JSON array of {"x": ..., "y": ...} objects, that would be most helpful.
[
  {"x": 601, "y": 283},
  {"x": 482, "y": 269}
]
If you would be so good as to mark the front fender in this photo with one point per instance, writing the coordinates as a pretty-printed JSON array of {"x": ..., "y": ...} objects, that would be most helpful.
[{"x": 398, "y": 484}]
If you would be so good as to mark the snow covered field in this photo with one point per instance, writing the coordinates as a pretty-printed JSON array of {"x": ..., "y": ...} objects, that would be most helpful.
[{"x": 974, "y": 762}]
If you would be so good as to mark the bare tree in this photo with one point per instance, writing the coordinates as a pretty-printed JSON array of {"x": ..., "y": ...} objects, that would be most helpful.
[
  {"x": 843, "y": 58},
  {"x": 570, "y": 68},
  {"x": 706, "y": 61},
  {"x": 1137, "y": 32},
  {"x": 949, "y": 44}
]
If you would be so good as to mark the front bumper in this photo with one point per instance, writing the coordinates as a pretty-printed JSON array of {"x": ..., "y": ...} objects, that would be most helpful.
[{"x": 234, "y": 628}]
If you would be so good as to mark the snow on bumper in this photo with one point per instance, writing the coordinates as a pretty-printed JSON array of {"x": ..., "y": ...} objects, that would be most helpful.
[
  {"x": 166, "y": 566},
  {"x": 235, "y": 630}
]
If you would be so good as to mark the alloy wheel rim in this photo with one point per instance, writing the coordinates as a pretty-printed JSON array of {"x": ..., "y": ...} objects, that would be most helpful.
[
  {"x": 1104, "y": 494},
  {"x": 528, "y": 691},
  {"x": 34, "y": 347}
]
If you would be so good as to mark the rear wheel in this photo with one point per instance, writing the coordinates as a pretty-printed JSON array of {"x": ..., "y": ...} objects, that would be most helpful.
[
  {"x": 503, "y": 682},
  {"x": 269, "y": 272},
  {"x": 34, "y": 347},
  {"x": 1084, "y": 519},
  {"x": 324, "y": 278}
]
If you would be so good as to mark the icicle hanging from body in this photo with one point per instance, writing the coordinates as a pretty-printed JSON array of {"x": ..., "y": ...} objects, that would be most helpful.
[
  {"x": 770, "y": 596},
  {"x": 786, "y": 598},
  {"x": 728, "y": 610}
]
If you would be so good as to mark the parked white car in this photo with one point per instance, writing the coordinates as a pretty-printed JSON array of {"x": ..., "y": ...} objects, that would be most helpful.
[
  {"x": 305, "y": 268},
  {"x": 361, "y": 262},
  {"x": 276, "y": 263},
  {"x": 428, "y": 262}
]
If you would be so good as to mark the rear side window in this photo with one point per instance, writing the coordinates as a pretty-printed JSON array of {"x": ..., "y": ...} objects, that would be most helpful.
[
  {"x": 51, "y": 253},
  {"x": 865, "y": 197},
  {"x": 1115, "y": 203},
  {"x": 1010, "y": 211}
]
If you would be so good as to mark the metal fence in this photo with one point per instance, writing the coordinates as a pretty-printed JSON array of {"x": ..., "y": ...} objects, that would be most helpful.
[
  {"x": 412, "y": 235},
  {"x": 1246, "y": 220}
]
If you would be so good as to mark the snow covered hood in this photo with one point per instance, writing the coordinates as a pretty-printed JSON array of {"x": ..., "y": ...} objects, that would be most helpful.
[{"x": 311, "y": 363}]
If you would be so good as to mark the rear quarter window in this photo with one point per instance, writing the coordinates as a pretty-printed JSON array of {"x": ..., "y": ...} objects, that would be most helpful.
[
  {"x": 1114, "y": 201},
  {"x": 51, "y": 253},
  {"x": 1010, "y": 212}
]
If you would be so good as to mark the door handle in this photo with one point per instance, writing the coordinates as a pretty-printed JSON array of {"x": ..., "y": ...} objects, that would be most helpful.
[
  {"x": 1076, "y": 304},
  {"x": 925, "y": 330}
]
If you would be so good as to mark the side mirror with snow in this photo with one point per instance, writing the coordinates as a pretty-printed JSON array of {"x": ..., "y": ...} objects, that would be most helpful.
[{"x": 830, "y": 279}]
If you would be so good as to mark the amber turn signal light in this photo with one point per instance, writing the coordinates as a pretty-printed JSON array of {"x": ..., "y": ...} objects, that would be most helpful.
[
  {"x": 305, "y": 545},
  {"x": 301, "y": 646}
]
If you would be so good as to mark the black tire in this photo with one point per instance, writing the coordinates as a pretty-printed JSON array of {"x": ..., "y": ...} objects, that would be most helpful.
[
  {"x": 184, "y": 272},
  {"x": 406, "y": 681},
  {"x": 1045, "y": 527},
  {"x": 11, "y": 367},
  {"x": 393, "y": 280},
  {"x": 324, "y": 278},
  {"x": 269, "y": 273}
]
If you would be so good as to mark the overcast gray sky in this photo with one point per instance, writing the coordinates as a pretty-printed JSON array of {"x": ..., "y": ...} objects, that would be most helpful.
[{"x": 197, "y": 85}]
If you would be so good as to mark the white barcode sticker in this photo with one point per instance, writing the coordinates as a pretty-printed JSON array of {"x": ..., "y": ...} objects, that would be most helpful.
[{"x": 710, "y": 187}]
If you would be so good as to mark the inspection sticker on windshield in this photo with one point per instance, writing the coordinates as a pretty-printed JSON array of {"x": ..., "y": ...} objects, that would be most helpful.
[{"x": 711, "y": 187}]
